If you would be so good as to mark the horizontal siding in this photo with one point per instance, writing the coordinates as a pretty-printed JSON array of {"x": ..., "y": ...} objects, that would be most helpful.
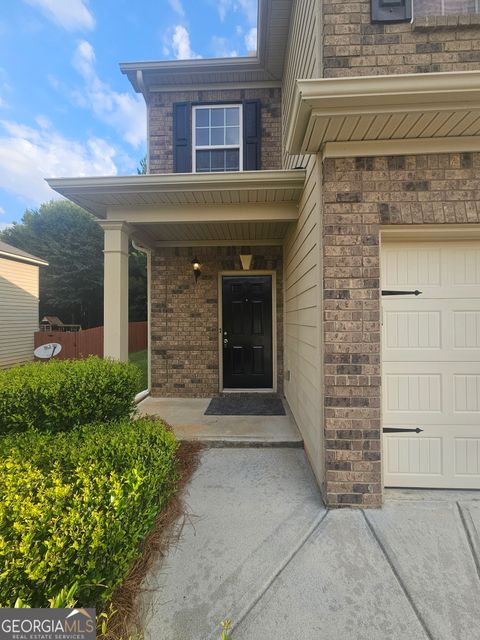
[
  {"x": 18, "y": 311},
  {"x": 303, "y": 251},
  {"x": 303, "y": 313},
  {"x": 301, "y": 61}
]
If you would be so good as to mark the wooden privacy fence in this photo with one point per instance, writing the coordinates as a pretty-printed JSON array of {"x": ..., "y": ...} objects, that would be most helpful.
[{"x": 80, "y": 344}]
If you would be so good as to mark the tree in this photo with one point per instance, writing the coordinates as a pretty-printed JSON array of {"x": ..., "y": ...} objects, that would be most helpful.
[
  {"x": 72, "y": 243},
  {"x": 142, "y": 168}
]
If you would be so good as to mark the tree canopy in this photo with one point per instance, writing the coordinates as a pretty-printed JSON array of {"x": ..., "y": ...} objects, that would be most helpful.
[{"x": 70, "y": 240}]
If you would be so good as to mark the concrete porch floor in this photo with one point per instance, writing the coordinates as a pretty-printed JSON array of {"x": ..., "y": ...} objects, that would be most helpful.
[{"x": 186, "y": 416}]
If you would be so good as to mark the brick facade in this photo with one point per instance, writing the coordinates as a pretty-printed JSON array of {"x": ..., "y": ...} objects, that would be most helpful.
[
  {"x": 353, "y": 46},
  {"x": 361, "y": 194},
  {"x": 184, "y": 316},
  {"x": 161, "y": 123}
]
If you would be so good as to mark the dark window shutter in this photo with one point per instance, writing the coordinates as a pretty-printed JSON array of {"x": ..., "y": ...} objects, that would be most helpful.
[
  {"x": 391, "y": 10},
  {"x": 252, "y": 132},
  {"x": 182, "y": 137}
]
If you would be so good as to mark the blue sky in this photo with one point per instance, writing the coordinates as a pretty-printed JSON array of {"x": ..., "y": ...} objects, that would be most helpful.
[{"x": 65, "y": 108}]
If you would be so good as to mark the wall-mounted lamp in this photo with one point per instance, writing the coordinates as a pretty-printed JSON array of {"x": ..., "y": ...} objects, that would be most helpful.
[
  {"x": 196, "y": 268},
  {"x": 246, "y": 261}
]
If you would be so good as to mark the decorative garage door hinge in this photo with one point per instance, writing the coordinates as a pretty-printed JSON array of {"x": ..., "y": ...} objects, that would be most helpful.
[
  {"x": 387, "y": 292},
  {"x": 401, "y": 430}
]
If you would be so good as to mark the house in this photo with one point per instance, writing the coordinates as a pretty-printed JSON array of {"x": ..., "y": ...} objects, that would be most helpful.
[
  {"x": 53, "y": 323},
  {"x": 19, "y": 294},
  {"x": 342, "y": 161}
]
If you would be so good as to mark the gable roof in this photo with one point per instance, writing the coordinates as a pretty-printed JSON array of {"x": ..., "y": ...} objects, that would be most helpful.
[
  {"x": 265, "y": 67},
  {"x": 12, "y": 253}
]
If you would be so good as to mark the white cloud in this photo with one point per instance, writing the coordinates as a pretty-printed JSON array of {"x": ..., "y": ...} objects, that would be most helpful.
[
  {"x": 72, "y": 15},
  {"x": 221, "y": 48},
  {"x": 124, "y": 112},
  {"x": 28, "y": 155},
  {"x": 5, "y": 225},
  {"x": 251, "y": 39},
  {"x": 177, "y": 7},
  {"x": 248, "y": 7},
  {"x": 180, "y": 44},
  {"x": 2, "y": 211}
]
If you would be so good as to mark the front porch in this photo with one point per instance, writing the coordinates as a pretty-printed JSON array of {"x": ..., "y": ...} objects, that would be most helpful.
[
  {"x": 187, "y": 418},
  {"x": 213, "y": 220}
]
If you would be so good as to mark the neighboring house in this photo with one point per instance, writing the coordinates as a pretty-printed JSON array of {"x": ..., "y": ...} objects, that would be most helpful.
[
  {"x": 53, "y": 323},
  {"x": 345, "y": 159},
  {"x": 19, "y": 293}
]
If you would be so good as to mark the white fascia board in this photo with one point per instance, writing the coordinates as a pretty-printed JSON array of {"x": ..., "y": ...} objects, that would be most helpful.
[{"x": 350, "y": 97}]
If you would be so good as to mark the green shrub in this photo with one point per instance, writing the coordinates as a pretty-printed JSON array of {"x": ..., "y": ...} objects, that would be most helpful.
[
  {"x": 58, "y": 395},
  {"x": 75, "y": 506}
]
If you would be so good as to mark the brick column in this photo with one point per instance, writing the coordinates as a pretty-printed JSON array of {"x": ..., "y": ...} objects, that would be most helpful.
[{"x": 352, "y": 342}]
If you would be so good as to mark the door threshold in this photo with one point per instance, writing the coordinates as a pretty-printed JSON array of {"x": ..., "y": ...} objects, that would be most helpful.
[{"x": 248, "y": 391}]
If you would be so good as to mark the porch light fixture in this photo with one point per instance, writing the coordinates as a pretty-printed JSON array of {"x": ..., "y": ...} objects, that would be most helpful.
[
  {"x": 246, "y": 261},
  {"x": 196, "y": 268}
]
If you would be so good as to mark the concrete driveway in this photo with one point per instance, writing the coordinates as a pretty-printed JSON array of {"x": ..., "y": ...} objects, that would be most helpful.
[{"x": 260, "y": 548}]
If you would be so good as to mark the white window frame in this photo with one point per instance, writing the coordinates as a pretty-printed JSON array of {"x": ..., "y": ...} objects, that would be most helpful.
[
  {"x": 444, "y": 6},
  {"x": 213, "y": 147}
]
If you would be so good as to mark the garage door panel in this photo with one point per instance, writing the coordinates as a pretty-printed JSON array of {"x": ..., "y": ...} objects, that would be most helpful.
[
  {"x": 431, "y": 333},
  {"x": 438, "y": 460},
  {"x": 406, "y": 266},
  {"x": 431, "y": 364}
]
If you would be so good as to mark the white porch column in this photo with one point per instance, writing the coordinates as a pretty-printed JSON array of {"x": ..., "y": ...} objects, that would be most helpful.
[{"x": 115, "y": 314}]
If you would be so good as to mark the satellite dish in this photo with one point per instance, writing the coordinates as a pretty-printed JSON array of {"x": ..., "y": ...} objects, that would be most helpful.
[{"x": 47, "y": 351}]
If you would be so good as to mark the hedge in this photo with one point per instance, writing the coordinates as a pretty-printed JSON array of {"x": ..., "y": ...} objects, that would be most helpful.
[
  {"x": 61, "y": 394},
  {"x": 75, "y": 506}
]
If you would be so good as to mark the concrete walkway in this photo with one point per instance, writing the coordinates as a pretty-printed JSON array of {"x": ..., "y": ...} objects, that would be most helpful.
[
  {"x": 188, "y": 419},
  {"x": 260, "y": 548}
]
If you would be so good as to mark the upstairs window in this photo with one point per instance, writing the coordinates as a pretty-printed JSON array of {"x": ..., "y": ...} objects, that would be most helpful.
[
  {"x": 445, "y": 7},
  {"x": 217, "y": 138}
]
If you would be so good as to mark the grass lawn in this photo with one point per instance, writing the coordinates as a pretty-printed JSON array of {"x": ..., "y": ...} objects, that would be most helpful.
[{"x": 140, "y": 358}]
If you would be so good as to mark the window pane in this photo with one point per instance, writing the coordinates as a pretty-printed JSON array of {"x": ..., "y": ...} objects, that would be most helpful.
[
  {"x": 217, "y": 135},
  {"x": 233, "y": 135},
  {"x": 444, "y": 7},
  {"x": 202, "y": 137},
  {"x": 218, "y": 117},
  {"x": 203, "y": 160},
  {"x": 202, "y": 117},
  {"x": 233, "y": 115},
  {"x": 217, "y": 160},
  {"x": 232, "y": 159}
]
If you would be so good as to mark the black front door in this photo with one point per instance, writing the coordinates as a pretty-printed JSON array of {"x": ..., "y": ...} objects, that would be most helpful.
[{"x": 247, "y": 332}]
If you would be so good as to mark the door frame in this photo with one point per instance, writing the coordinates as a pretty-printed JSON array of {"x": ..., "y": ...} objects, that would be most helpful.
[{"x": 240, "y": 274}]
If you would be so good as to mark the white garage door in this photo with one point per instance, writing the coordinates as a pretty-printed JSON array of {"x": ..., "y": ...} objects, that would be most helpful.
[{"x": 431, "y": 364}]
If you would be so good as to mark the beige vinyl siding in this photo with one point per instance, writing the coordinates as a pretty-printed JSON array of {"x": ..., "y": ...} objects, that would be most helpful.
[
  {"x": 18, "y": 311},
  {"x": 303, "y": 256},
  {"x": 302, "y": 61}
]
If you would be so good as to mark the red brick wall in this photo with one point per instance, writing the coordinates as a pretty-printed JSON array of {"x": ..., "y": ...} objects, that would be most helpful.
[
  {"x": 161, "y": 123},
  {"x": 359, "y": 195},
  {"x": 185, "y": 359}
]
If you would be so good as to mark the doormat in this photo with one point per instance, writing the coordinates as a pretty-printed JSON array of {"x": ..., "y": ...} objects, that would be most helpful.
[{"x": 245, "y": 405}]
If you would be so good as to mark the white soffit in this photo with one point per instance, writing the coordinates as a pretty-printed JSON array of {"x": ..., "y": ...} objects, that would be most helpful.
[
  {"x": 439, "y": 107},
  {"x": 183, "y": 192}
]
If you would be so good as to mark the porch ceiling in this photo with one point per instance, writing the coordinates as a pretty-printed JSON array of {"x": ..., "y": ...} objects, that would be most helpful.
[
  {"x": 412, "y": 107},
  {"x": 216, "y": 233}
]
